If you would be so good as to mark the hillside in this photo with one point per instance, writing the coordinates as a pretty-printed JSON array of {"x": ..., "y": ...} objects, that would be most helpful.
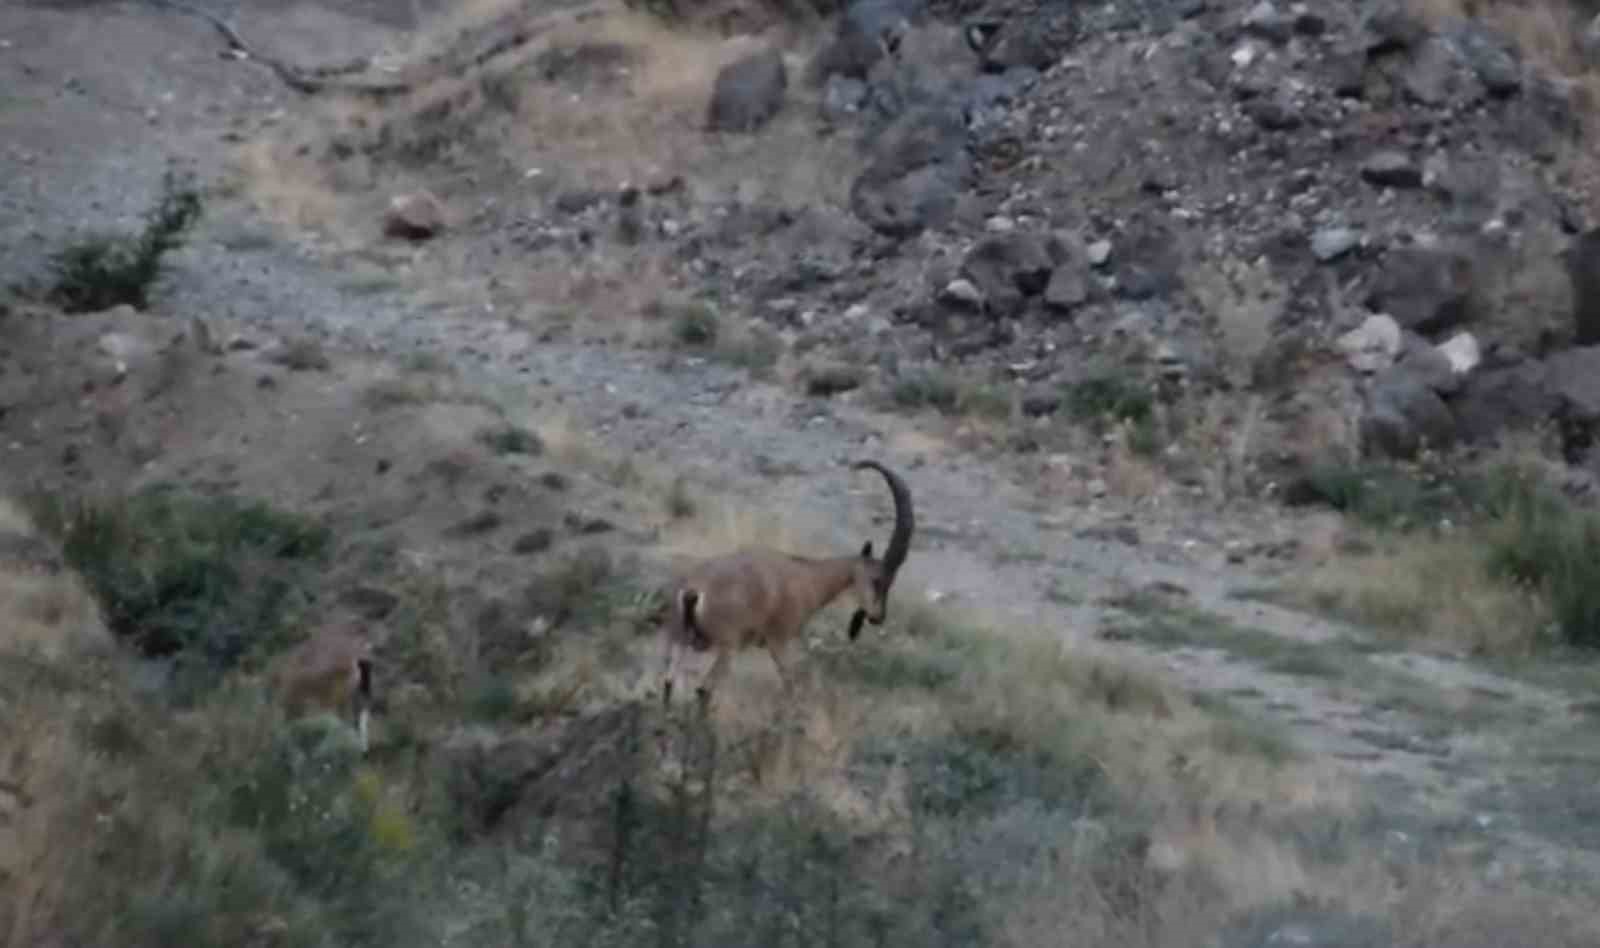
[{"x": 1241, "y": 358}]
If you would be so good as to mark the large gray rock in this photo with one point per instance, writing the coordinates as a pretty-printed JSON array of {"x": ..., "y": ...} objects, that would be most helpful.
[
  {"x": 1574, "y": 377},
  {"x": 1503, "y": 399},
  {"x": 1426, "y": 289},
  {"x": 1403, "y": 415},
  {"x": 1582, "y": 261},
  {"x": 1008, "y": 268},
  {"x": 867, "y": 32},
  {"x": 918, "y": 170},
  {"x": 748, "y": 92}
]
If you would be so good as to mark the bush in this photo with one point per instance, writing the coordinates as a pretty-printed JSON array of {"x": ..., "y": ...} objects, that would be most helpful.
[
  {"x": 108, "y": 270},
  {"x": 204, "y": 579}
]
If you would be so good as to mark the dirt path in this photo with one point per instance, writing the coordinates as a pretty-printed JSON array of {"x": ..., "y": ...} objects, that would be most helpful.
[{"x": 93, "y": 115}]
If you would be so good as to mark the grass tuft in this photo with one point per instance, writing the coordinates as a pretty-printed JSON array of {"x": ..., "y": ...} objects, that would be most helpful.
[{"x": 109, "y": 270}]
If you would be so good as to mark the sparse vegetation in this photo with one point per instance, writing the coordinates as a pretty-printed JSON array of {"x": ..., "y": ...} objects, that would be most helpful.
[
  {"x": 1489, "y": 559},
  {"x": 510, "y": 439},
  {"x": 202, "y": 579},
  {"x": 103, "y": 271}
]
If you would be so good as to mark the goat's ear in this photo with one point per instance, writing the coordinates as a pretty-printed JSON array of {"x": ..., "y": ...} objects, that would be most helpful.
[{"x": 866, "y": 551}]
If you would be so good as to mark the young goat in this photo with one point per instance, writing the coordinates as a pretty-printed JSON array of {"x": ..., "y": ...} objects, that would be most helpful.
[
  {"x": 331, "y": 671},
  {"x": 760, "y": 596}
]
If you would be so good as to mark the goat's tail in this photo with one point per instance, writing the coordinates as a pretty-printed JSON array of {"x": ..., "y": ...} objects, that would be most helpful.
[{"x": 688, "y": 609}]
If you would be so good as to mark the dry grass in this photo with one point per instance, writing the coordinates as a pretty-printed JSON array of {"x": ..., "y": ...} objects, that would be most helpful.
[
  {"x": 1427, "y": 590},
  {"x": 48, "y": 613}
]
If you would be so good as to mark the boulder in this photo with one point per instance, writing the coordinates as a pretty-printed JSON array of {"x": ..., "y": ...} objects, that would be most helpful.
[
  {"x": 1503, "y": 399},
  {"x": 748, "y": 92},
  {"x": 415, "y": 216},
  {"x": 918, "y": 168},
  {"x": 1403, "y": 415},
  {"x": 1373, "y": 346},
  {"x": 1008, "y": 268},
  {"x": 1425, "y": 289},
  {"x": 1582, "y": 261}
]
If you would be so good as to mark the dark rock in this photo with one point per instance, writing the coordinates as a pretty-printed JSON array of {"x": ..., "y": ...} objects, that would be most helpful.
[
  {"x": 1014, "y": 43},
  {"x": 1068, "y": 288},
  {"x": 1582, "y": 262},
  {"x": 1438, "y": 76},
  {"x": 1390, "y": 25},
  {"x": 1277, "y": 113},
  {"x": 1149, "y": 263},
  {"x": 1391, "y": 169},
  {"x": 1503, "y": 399},
  {"x": 1039, "y": 402},
  {"x": 370, "y": 602},
  {"x": 576, "y": 202},
  {"x": 1007, "y": 269},
  {"x": 842, "y": 98},
  {"x": 1426, "y": 290},
  {"x": 534, "y": 541},
  {"x": 587, "y": 526},
  {"x": 1489, "y": 58},
  {"x": 554, "y": 480},
  {"x": 1268, "y": 22},
  {"x": 1402, "y": 415},
  {"x": 832, "y": 378},
  {"x": 919, "y": 168},
  {"x": 867, "y": 31},
  {"x": 748, "y": 92},
  {"x": 484, "y": 521},
  {"x": 1574, "y": 377}
]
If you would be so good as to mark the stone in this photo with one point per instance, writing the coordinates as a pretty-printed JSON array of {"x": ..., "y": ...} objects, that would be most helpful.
[
  {"x": 1582, "y": 262},
  {"x": 1402, "y": 415},
  {"x": 1425, "y": 289},
  {"x": 842, "y": 98},
  {"x": 1489, "y": 57},
  {"x": 962, "y": 293},
  {"x": 748, "y": 92},
  {"x": 414, "y": 216},
  {"x": 1574, "y": 377},
  {"x": 1373, "y": 346},
  {"x": 1099, "y": 253},
  {"x": 919, "y": 166},
  {"x": 1008, "y": 268},
  {"x": 866, "y": 32},
  {"x": 1503, "y": 399},
  {"x": 1331, "y": 243},
  {"x": 1462, "y": 352},
  {"x": 1438, "y": 76},
  {"x": 1391, "y": 25},
  {"x": 1067, "y": 290},
  {"x": 1268, "y": 22},
  {"x": 1391, "y": 169}
]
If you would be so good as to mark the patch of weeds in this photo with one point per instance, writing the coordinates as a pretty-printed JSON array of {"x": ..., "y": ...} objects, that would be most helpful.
[
  {"x": 1554, "y": 554},
  {"x": 111, "y": 270},
  {"x": 679, "y": 501},
  {"x": 696, "y": 325},
  {"x": 494, "y": 699},
  {"x": 1108, "y": 397},
  {"x": 1020, "y": 555},
  {"x": 203, "y": 578},
  {"x": 583, "y": 587},
  {"x": 303, "y": 355},
  {"x": 394, "y": 393},
  {"x": 510, "y": 439},
  {"x": 928, "y": 388}
]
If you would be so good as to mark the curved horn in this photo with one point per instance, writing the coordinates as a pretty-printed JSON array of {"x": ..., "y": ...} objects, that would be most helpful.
[{"x": 904, "y": 520}]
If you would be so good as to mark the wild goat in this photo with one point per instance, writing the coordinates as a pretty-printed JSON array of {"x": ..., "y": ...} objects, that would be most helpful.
[
  {"x": 761, "y": 596},
  {"x": 331, "y": 671}
]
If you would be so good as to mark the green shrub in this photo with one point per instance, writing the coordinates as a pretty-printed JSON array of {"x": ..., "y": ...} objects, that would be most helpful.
[
  {"x": 205, "y": 579},
  {"x": 109, "y": 270}
]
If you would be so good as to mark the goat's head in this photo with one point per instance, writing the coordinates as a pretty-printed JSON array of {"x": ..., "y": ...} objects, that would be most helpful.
[{"x": 874, "y": 577}]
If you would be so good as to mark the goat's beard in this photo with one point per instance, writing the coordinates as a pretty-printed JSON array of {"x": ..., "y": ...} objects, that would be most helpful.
[{"x": 855, "y": 623}]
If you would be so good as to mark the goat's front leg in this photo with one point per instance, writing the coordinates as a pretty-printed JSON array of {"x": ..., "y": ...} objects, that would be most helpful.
[
  {"x": 775, "y": 649},
  {"x": 669, "y": 652}
]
